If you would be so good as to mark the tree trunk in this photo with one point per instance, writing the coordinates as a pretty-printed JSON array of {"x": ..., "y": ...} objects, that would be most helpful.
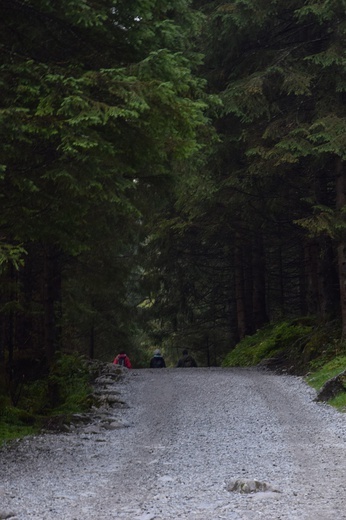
[
  {"x": 340, "y": 203},
  {"x": 51, "y": 301},
  {"x": 25, "y": 333},
  {"x": 92, "y": 342},
  {"x": 240, "y": 291},
  {"x": 281, "y": 277},
  {"x": 311, "y": 253},
  {"x": 326, "y": 284},
  {"x": 328, "y": 279},
  {"x": 259, "y": 288},
  {"x": 303, "y": 282},
  {"x": 247, "y": 260}
]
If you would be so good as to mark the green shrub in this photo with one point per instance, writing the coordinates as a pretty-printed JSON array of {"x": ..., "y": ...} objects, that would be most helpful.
[
  {"x": 268, "y": 342},
  {"x": 324, "y": 344},
  {"x": 66, "y": 389}
]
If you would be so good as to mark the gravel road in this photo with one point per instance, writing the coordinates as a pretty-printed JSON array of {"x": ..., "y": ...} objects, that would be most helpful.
[{"x": 192, "y": 441}]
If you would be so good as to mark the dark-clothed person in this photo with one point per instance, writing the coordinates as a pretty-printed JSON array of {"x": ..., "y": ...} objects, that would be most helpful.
[
  {"x": 157, "y": 360},
  {"x": 186, "y": 361}
]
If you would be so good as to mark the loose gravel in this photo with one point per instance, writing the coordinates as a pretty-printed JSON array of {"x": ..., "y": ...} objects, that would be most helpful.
[{"x": 193, "y": 444}]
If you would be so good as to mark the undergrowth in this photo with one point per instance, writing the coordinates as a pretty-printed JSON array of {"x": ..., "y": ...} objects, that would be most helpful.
[
  {"x": 339, "y": 402},
  {"x": 269, "y": 342},
  {"x": 302, "y": 347},
  {"x": 66, "y": 390},
  {"x": 321, "y": 373}
]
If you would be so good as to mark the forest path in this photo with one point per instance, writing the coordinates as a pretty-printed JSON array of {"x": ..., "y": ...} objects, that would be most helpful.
[{"x": 192, "y": 433}]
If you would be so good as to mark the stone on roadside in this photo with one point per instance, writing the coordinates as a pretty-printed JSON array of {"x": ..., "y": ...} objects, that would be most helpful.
[
  {"x": 249, "y": 486},
  {"x": 7, "y": 514},
  {"x": 114, "y": 425},
  {"x": 332, "y": 387}
]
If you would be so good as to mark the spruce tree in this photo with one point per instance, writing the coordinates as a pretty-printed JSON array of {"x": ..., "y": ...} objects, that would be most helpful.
[{"x": 97, "y": 101}]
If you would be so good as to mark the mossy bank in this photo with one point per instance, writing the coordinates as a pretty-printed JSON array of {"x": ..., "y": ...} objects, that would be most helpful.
[{"x": 302, "y": 347}]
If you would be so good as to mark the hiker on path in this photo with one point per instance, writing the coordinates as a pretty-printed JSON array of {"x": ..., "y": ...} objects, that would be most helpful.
[
  {"x": 123, "y": 360},
  {"x": 157, "y": 360},
  {"x": 186, "y": 361}
]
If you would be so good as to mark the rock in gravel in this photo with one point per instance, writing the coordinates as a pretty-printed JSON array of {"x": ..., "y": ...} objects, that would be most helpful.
[
  {"x": 4, "y": 515},
  {"x": 332, "y": 387},
  {"x": 114, "y": 425},
  {"x": 250, "y": 486}
]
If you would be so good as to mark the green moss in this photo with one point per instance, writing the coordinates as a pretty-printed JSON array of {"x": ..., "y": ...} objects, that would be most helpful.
[
  {"x": 339, "y": 402},
  {"x": 304, "y": 346},
  {"x": 321, "y": 373},
  {"x": 11, "y": 432},
  {"x": 15, "y": 423},
  {"x": 324, "y": 345},
  {"x": 267, "y": 343}
]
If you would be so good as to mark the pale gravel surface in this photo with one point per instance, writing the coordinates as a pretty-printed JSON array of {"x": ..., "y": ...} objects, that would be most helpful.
[{"x": 191, "y": 432}]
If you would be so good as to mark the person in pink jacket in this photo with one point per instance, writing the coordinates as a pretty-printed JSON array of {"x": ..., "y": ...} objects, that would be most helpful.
[{"x": 123, "y": 360}]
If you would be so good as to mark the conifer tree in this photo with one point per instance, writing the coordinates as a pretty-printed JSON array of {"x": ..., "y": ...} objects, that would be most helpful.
[
  {"x": 97, "y": 101},
  {"x": 273, "y": 179}
]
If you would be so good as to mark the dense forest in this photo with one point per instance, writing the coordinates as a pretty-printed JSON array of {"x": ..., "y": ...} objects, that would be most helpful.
[{"x": 172, "y": 175}]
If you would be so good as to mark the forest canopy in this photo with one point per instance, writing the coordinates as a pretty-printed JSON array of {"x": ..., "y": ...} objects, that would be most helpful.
[{"x": 172, "y": 174}]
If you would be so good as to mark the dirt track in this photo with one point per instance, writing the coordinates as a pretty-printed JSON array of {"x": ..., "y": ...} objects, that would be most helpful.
[{"x": 192, "y": 433}]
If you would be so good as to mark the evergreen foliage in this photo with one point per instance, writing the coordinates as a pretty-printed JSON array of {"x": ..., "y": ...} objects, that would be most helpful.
[
  {"x": 172, "y": 175},
  {"x": 67, "y": 388},
  {"x": 263, "y": 201},
  {"x": 98, "y": 102}
]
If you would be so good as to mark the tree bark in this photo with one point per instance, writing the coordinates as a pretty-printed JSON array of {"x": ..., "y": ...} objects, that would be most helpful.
[
  {"x": 311, "y": 253},
  {"x": 328, "y": 279},
  {"x": 322, "y": 261},
  {"x": 240, "y": 291},
  {"x": 259, "y": 287},
  {"x": 51, "y": 301},
  {"x": 340, "y": 203},
  {"x": 281, "y": 276},
  {"x": 92, "y": 342}
]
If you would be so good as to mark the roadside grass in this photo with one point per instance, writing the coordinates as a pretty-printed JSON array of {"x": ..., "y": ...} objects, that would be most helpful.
[
  {"x": 339, "y": 402},
  {"x": 66, "y": 390},
  {"x": 304, "y": 348},
  {"x": 319, "y": 375},
  {"x": 268, "y": 342},
  {"x": 252, "y": 349},
  {"x": 14, "y": 426}
]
